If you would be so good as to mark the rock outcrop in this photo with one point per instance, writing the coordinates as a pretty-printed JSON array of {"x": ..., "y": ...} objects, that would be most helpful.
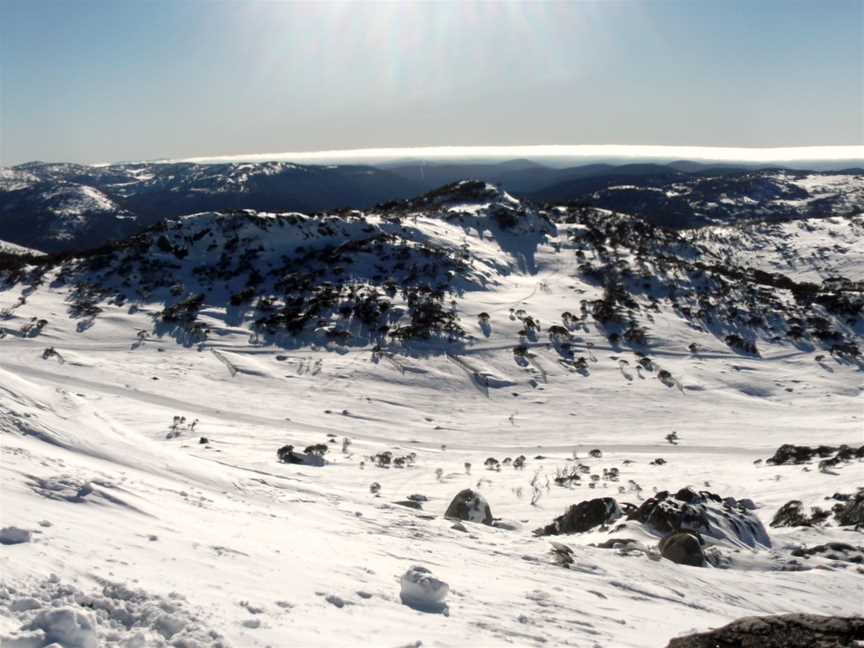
[
  {"x": 583, "y": 516},
  {"x": 852, "y": 513},
  {"x": 782, "y": 631},
  {"x": 705, "y": 513}
]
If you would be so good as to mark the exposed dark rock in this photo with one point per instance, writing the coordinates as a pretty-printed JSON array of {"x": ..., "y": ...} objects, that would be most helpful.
[
  {"x": 683, "y": 548},
  {"x": 471, "y": 506},
  {"x": 583, "y": 516},
  {"x": 616, "y": 543},
  {"x": 702, "y": 512},
  {"x": 792, "y": 514},
  {"x": 833, "y": 551},
  {"x": 844, "y": 454},
  {"x": 286, "y": 454},
  {"x": 781, "y": 631},
  {"x": 796, "y": 454},
  {"x": 852, "y": 514},
  {"x": 627, "y": 508}
]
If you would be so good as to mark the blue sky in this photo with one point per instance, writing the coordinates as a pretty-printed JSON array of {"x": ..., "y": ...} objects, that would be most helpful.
[{"x": 94, "y": 80}]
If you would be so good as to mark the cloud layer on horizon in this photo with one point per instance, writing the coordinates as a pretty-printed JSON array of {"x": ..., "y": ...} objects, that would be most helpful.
[{"x": 556, "y": 152}]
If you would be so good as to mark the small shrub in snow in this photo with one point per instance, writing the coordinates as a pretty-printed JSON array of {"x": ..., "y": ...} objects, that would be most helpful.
[
  {"x": 286, "y": 454},
  {"x": 536, "y": 489},
  {"x": 319, "y": 449},
  {"x": 492, "y": 464}
]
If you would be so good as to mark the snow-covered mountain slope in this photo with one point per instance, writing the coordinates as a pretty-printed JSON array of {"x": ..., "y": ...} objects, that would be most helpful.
[
  {"x": 718, "y": 198},
  {"x": 681, "y": 195},
  {"x": 35, "y": 200},
  {"x": 807, "y": 250},
  {"x": 16, "y": 179},
  {"x": 52, "y": 216},
  {"x": 11, "y": 248},
  {"x": 541, "y": 357}
]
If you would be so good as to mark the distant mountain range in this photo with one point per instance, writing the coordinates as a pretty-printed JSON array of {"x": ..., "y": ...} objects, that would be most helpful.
[{"x": 59, "y": 207}]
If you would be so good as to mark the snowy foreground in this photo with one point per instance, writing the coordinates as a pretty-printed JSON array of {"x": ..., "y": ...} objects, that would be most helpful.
[{"x": 125, "y": 526}]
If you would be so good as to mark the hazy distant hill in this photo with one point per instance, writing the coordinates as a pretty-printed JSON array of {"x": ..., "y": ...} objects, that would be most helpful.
[{"x": 58, "y": 207}]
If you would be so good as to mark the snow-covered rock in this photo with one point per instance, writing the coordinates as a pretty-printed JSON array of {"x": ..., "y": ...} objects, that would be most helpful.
[
  {"x": 705, "y": 513},
  {"x": 781, "y": 631},
  {"x": 422, "y": 591}
]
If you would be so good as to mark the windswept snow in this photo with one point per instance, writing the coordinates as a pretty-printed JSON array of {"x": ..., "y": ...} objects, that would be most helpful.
[{"x": 141, "y": 465}]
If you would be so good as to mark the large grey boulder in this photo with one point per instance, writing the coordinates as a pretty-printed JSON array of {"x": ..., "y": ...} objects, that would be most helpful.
[
  {"x": 470, "y": 506},
  {"x": 683, "y": 548}
]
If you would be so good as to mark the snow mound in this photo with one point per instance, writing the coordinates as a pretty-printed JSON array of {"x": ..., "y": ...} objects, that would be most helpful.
[
  {"x": 52, "y": 612},
  {"x": 66, "y": 626}
]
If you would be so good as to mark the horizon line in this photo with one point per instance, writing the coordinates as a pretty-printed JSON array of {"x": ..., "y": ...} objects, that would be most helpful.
[{"x": 835, "y": 153}]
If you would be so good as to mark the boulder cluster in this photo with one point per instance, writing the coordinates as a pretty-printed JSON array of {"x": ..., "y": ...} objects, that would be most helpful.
[{"x": 781, "y": 631}]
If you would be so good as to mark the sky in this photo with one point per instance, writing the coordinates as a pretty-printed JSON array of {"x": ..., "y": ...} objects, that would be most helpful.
[{"x": 113, "y": 80}]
